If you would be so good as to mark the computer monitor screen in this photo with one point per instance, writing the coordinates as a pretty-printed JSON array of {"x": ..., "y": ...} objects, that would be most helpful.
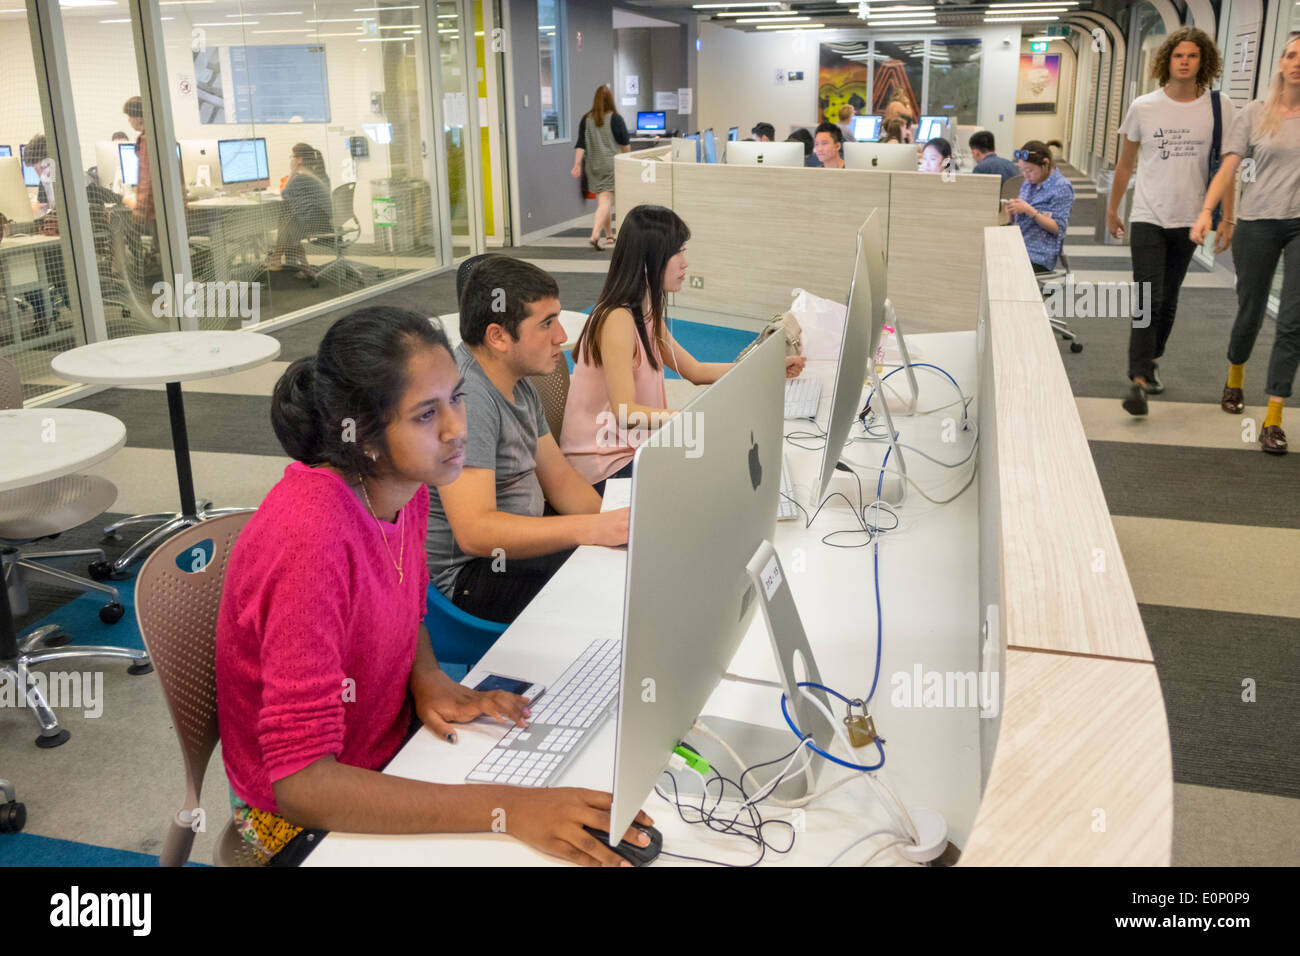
[
  {"x": 30, "y": 176},
  {"x": 862, "y": 325},
  {"x": 764, "y": 154},
  {"x": 687, "y": 149},
  {"x": 896, "y": 157},
  {"x": 710, "y": 148},
  {"x": 733, "y": 134},
  {"x": 648, "y": 121},
  {"x": 701, "y": 512},
  {"x": 931, "y": 126},
  {"x": 129, "y": 164},
  {"x": 242, "y": 160},
  {"x": 6, "y": 151},
  {"x": 866, "y": 129}
]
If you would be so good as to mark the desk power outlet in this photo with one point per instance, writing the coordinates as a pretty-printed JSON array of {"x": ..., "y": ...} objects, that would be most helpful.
[{"x": 697, "y": 282}]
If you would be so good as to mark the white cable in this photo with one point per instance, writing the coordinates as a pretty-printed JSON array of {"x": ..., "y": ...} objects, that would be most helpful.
[
  {"x": 700, "y": 727},
  {"x": 879, "y": 850},
  {"x": 903, "y": 823},
  {"x": 863, "y": 839}
]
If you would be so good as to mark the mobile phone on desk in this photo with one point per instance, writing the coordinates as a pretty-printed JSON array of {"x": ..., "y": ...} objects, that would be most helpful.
[{"x": 512, "y": 685}]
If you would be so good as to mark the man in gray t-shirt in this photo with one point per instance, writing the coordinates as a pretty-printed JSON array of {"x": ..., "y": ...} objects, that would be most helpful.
[{"x": 492, "y": 543}]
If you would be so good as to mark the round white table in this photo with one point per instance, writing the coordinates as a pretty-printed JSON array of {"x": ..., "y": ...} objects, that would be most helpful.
[
  {"x": 166, "y": 358},
  {"x": 42, "y": 444}
]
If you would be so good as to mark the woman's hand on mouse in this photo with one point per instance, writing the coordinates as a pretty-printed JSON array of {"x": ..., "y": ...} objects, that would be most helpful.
[
  {"x": 552, "y": 820},
  {"x": 794, "y": 365}
]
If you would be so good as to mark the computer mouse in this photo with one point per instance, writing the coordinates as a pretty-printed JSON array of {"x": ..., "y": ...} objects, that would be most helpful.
[{"x": 634, "y": 854}]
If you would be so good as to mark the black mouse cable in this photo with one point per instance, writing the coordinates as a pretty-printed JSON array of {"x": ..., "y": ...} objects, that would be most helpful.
[{"x": 728, "y": 828}]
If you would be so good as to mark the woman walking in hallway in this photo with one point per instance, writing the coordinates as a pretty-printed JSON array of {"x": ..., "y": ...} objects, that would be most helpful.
[{"x": 601, "y": 135}]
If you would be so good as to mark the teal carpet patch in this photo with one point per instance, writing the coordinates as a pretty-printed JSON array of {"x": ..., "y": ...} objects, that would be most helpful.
[
  {"x": 707, "y": 343},
  {"x": 27, "y": 849},
  {"x": 79, "y": 619}
]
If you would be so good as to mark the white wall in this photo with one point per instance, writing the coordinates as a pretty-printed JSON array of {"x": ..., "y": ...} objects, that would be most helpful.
[
  {"x": 1046, "y": 126},
  {"x": 738, "y": 76}
]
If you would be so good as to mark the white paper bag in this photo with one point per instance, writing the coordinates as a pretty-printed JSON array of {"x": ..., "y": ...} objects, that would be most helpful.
[{"x": 822, "y": 321}]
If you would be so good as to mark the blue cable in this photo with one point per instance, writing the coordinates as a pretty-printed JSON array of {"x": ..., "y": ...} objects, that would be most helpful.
[
  {"x": 817, "y": 750},
  {"x": 871, "y": 394}
]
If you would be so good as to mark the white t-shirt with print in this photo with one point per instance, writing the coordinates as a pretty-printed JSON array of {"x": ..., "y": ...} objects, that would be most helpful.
[{"x": 1173, "y": 171}]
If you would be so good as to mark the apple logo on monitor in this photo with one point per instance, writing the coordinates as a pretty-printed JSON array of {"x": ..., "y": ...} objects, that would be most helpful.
[
  {"x": 875, "y": 160},
  {"x": 755, "y": 469}
]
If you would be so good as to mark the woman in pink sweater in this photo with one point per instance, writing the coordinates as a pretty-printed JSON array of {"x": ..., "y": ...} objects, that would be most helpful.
[{"x": 322, "y": 654}]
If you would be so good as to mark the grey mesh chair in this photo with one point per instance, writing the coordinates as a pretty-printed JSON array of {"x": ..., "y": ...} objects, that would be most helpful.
[
  {"x": 30, "y": 514},
  {"x": 345, "y": 232},
  {"x": 1057, "y": 276},
  {"x": 554, "y": 392},
  {"x": 177, "y": 612}
]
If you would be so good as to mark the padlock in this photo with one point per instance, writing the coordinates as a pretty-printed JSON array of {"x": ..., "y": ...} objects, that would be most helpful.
[{"x": 861, "y": 728}]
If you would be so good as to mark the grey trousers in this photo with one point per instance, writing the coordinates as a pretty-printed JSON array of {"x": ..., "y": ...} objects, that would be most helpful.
[{"x": 1257, "y": 245}]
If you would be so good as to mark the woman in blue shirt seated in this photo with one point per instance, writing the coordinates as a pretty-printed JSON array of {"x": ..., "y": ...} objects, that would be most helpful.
[
  {"x": 305, "y": 208},
  {"x": 1042, "y": 211}
]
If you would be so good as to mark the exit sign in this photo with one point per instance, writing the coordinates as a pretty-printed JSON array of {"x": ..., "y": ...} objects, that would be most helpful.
[{"x": 1038, "y": 46}]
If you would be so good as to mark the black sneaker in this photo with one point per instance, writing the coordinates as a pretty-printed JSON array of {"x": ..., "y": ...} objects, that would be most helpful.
[
  {"x": 1154, "y": 385},
  {"x": 1135, "y": 403}
]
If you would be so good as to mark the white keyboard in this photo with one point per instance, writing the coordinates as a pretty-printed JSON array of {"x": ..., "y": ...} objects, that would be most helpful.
[
  {"x": 786, "y": 510},
  {"x": 563, "y": 720},
  {"x": 801, "y": 397}
]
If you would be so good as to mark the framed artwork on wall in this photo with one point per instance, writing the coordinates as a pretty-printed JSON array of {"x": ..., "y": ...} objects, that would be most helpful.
[{"x": 1039, "y": 81}]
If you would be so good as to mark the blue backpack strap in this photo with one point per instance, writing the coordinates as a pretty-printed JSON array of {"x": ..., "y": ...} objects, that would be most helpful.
[{"x": 1216, "y": 156}]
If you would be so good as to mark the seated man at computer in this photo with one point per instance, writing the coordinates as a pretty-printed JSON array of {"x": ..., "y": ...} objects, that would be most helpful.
[
  {"x": 764, "y": 133},
  {"x": 986, "y": 158},
  {"x": 490, "y": 545},
  {"x": 828, "y": 145}
]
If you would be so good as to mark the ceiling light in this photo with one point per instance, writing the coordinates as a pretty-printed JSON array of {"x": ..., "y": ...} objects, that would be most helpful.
[
  {"x": 775, "y": 20},
  {"x": 714, "y": 6},
  {"x": 1017, "y": 19},
  {"x": 802, "y": 26},
  {"x": 411, "y": 6}
]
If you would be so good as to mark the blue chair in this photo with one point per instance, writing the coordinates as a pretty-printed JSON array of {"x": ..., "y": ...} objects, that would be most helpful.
[{"x": 459, "y": 639}]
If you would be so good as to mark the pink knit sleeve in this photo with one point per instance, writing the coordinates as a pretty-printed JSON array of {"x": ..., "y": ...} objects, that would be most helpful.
[{"x": 302, "y": 600}]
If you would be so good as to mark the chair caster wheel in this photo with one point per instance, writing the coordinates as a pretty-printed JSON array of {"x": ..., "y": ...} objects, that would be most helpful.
[
  {"x": 54, "y": 740},
  {"x": 58, "y": 640},
  {"x": 143, "y": 668},
  {"x": 13, "y": 817},
  {"x": 1076, "y": 347},
  {"x": 101, "y": 570},
  {"x": 111, "y": 613}
]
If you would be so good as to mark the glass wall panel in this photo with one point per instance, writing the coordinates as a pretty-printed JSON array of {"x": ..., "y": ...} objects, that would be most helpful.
[
  {"x": 455, "y": 121},
  {"x": 38, "y": 319},
  {"x": 305, "y": 141},
  {"x": 115, "y": 155},
  {"x": 1151, "y": 36},
  {"x": 554, "y": 70},
  {"x": 954, "y": 87}
]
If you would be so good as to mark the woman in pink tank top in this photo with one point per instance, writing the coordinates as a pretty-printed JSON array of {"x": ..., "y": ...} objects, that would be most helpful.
[{"x": 616, "y": 394}]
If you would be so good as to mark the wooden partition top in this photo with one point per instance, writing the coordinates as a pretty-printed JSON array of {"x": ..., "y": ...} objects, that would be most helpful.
[{"x": 1081, "y": 770}]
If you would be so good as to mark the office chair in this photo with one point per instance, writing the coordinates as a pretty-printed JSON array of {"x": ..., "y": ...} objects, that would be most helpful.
[
  {"x": 554, "y": 392},
  {"x": 177, "y": 612},
  {"x": 346, "y": 231},
  {"x": 1060, "y": 326},
  {"x": 30, "y": 514},
  {"x": 13, "y": 815},
  {"x": 459, "y": 638},
  {"x": 1010, "y": 190}
]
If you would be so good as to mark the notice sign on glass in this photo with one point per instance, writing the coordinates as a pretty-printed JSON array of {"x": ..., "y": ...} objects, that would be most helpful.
[{"x": 279, "y": 83}]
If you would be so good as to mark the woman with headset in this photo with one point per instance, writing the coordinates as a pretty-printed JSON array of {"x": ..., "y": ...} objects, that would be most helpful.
[{"x": 617, "y": 395}]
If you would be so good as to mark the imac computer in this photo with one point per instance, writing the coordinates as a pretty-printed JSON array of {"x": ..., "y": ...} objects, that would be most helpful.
[
  {"x": 704, "y": 496},
  {"x": 710, "y": 147},
  {"x": 895, "y": 157},
  {"x": 866, "y": 129},
  {"x": 765, "y": 154},
  {"x": 651, "y": 123},
  {"x": 200, "y": 164},
  {"x": 15, "y": 201},
  {"x": 108, "y": 164},
  {"x": 733, "y": 134},
  {"x": 6, "y": 151},
  {"x": 243, "y": 162},
  {"x": 30, "y": 176},
  {"x": 931, "y": 127},
  {"x": 128, "y": 164},
  {"x": 868, "y": 310},
  {"x": 686, "y": 149}
]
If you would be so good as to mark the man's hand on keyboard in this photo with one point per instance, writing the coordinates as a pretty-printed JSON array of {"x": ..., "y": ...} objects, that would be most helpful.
[
  {"x": 794, "y": 365},
  {"x": 552, "y": 820},
  {"x": 441, "y": 702}
]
